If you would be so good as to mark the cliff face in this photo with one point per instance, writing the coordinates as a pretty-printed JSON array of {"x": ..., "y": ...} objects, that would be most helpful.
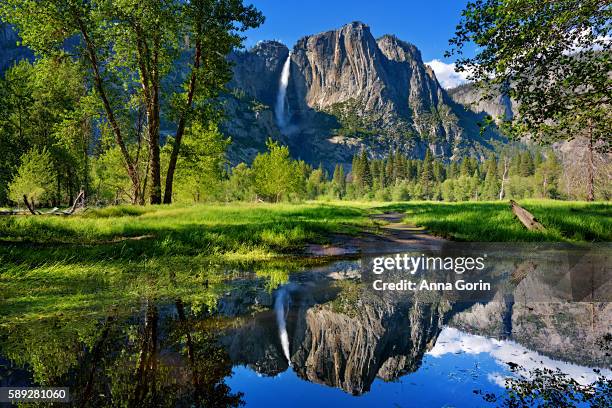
[
  {"x": 10, "y": 52},
  {"x": 349, "y": 91},
  {"x": 249, "y": 106},
  {"x": 497, "y": 106},
  {"x": 342, "y": 339}
]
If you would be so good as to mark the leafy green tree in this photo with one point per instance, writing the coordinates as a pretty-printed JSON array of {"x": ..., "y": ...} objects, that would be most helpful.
[
  {"x": 276, "y": 175},
  {"x": 200, "y": 166},
  {"x": 213, "y": 27},
  {"x": 339, "y": 181},
  {"x": 34, "y": 179},
  {"x": 240, "y": 185},
  {"x": 131, "y": 48},
  {"x": 45, "y": 107},
  {"x": 315, "y": 185},
  {"x": 552, "y": 58},
  {"x": 110, "y": 184}
]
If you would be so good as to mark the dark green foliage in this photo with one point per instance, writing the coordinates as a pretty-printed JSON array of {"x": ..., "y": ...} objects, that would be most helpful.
[
  {"x": 530, "y": 174},
  {"x": 339, "y": 181},
  {"x": 45, "y": 108},
  {"x": 353, "y": 123}
]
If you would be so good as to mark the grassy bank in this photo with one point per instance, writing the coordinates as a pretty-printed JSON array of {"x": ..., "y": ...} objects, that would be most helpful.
[
  {"x": 246, "y": 231},
  {"x": 494, "y": 222},
  {"x": 119, "y": 255}
]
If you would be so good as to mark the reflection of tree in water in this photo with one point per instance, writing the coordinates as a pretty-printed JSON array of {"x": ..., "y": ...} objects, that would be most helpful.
[
  {"x": 175, "y": 365},
  {"x": 209, "y": 364},
  {"x": 543, "y": 387},
  {"x": 161, "y": 359}
]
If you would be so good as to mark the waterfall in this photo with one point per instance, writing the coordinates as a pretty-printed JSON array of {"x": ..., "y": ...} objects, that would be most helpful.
[
  {"x": 281, "y": 320},
  {"x": 280, "y": 110}
]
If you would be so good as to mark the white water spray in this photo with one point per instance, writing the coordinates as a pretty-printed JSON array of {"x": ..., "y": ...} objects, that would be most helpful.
[
  {"x": 281, "y": 320},
  {"x": 280, "y": 110}
]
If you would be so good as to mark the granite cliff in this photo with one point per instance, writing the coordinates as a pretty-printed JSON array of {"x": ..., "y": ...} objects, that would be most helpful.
[{"x": 347, "y": 91}]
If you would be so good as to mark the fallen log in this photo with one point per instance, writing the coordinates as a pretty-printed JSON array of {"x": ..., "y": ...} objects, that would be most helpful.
[
  {"x": 78, "y": 205},
  {"x": 79, "y": 201},
  {"x": 526, "y": 218}
]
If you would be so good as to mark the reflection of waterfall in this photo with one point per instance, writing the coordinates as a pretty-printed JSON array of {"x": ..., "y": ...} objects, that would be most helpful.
[
  {"x": 281, "y": 97},
  {"x": 282, "y": 300}
]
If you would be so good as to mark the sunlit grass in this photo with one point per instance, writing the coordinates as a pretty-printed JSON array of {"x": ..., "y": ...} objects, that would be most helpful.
[{"x": 493, "y": 221}]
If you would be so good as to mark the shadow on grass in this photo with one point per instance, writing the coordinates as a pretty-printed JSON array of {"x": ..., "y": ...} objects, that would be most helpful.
[{"x": 42, "y": 240}]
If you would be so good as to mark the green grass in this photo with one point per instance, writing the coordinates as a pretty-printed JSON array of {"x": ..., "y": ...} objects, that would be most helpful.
[
  {"x": 246, "y": 230},
  {"x": 119, "y": 255},
  {"x": 494, "y": 222}
]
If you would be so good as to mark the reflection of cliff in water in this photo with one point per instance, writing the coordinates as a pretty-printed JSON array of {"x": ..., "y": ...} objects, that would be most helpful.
[
  {"x": 342, "y": 336},
  {"x": 556, "y": 303}
]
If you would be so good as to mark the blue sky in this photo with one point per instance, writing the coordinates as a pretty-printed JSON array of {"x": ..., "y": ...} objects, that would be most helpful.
[{"x": 426, "y": 23}]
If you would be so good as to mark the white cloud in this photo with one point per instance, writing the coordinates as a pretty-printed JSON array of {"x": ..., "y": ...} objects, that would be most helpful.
[
  {"x": 446, "y": 74},
  {"x": 453, "y": 341}
]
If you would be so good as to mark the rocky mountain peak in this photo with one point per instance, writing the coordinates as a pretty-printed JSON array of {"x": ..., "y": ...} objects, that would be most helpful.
[{"x": 397, "y": 50}]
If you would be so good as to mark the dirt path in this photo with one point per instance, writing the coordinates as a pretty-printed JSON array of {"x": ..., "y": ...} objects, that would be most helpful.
[{"x": 395, "y": 236}]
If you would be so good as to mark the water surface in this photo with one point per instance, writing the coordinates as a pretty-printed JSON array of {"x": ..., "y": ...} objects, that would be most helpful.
[{"x": 321, "y": 336}]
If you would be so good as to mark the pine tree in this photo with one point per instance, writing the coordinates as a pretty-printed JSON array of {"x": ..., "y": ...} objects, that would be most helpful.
[
  {"x": 339, "y": 181},
  {"x": 366, "y": 177},
  {"x": 465, "y": 170},
  {"x": 526, "y": 168},
  {"x": 438, "y": 171},
  {"x": 491, "y": 184},
  {"x": 357, "y": 171},
  {"x": 453, "y": 171},
  {"x": 390, "y": 175},
  {"x": 426, "y": 177},
  {"x": 400, "y": 170}
]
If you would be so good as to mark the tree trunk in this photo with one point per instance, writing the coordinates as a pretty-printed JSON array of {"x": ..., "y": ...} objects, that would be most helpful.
[
  {"x": 99, "y": 86},
  {"x": 504, "y": 178},
  {"x": 29, "y": 206},
  {"x": 590, "y": 166},
  {"x": 154, "y": 159},
  {"x": 153, "y": 129},
  {"x": 181, "y": 124}
]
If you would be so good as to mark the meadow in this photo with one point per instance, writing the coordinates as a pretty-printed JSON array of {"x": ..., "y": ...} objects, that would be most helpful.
[
  {"x": 492, "y": 221},
  {"x": 120, "y": 255}
]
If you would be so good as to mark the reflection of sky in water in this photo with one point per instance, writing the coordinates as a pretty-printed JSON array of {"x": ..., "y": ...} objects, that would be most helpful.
[
  {"x": 452, "y": 341},
  {"x": 458, "y": 364}
]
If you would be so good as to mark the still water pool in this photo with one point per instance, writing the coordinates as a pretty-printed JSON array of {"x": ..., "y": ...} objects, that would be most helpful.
[{"x": 322, "y": 337}]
